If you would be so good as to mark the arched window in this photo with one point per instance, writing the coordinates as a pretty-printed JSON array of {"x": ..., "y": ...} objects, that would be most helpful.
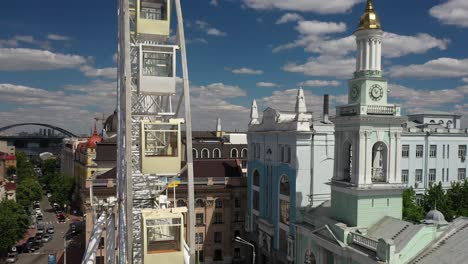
[
  {"x": 309, "y": 257},
  {"x": 181, "y": 203},
  {"x": 347, "y": 161},
  {"x": 234, "y": 153},
  {"x": 432, "y": 122},
  {"x": 256, "y": 178},
  {"x": 449, "y": 124},
  {"x": 195, "y": 153},
  {"x": 216, "y": 153},
  {"x": 441, "y": 122},
  {"x": 199, "y": 203},
  {"x": 244, "y": 153},
  {"x": 284, "y": 185},
  {"x": 284, "y": 200},
  {"x": 379, "y": 162},
  {"x": 205, "y": 154}
]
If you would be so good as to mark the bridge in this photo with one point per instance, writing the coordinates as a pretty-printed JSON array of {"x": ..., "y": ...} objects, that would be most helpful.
[
  {"x": 61, "y": 130},
  {"x": 33, "y": 144}
]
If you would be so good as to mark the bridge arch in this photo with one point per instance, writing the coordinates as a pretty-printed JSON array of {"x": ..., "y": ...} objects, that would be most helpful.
[{"x": 61, "y": 130}]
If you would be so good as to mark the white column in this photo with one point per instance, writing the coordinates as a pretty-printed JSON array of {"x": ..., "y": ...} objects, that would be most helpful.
[
  {"x": 366, "y": 56},
  {"x": 362, "y": 47},
  {"x": 373, "y": 55},
  {"x": 358, "y": 55},
  {"x": 379, "y": 55}
]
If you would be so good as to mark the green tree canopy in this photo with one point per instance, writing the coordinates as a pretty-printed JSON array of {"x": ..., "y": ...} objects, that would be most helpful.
[
  {"x": 62, "y": 189},
  {"x": 458, "y": 197},
  {"x": 14, "y": 223},
  {"x": 436, "y": 197},
  {"x": 24, "y": 168},
  {"x": 28, "y": 191},
  {"x": 411, "y": 211}
]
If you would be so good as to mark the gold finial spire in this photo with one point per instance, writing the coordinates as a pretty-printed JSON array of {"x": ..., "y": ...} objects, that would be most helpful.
[{"x": 369, "y": 20}]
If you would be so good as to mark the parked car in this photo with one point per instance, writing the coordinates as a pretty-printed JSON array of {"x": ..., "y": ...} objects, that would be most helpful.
[
  {"x": 38, "y": 210},
  {"x": 26, "y": 247},
  {"x": 61, "y": 218},
  {"x": 46, "y": 238},
  {"x": 50, "y": 229},
  {"x": 12, "y": 257}
]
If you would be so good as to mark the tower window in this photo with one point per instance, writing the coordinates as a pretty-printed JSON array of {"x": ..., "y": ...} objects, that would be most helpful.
[
  {"x": 379, "y": 162},
  {"x": 154, "y": 9}
]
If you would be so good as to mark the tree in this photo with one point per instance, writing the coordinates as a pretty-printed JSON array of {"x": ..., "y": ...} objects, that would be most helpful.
[
  {"x": 14, "y": 222},
  {"x": 24, "y": 168},
  {"x": 411, "y": 211},
  {"x": 28, "y": 191},
  {"x": 436, "y": 197},
  {"x": 458, "y": 197},
  {"x": 49, "y": 166},
  {"x": 62, "y": 189}
]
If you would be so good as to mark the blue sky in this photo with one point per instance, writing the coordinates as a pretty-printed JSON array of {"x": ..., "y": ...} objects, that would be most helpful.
[{"x": 57, "y": 61}]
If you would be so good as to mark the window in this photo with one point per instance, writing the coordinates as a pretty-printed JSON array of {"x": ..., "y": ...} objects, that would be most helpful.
[
  {"x": 195, "y": 153},
  {"x": 244, "y": 153},
  {"x": 419, "y": 151},
  {"x": 284, "y": 212},
  {"x": 236, "y": 233},
  {"x": 100, "y": 260},
  {"x": 234, "y": 153},
  {"x": 201, "y": 258},
  {"x": 238, "y": 217},
  {"x": 158, "y": 63},
  {"x": 405, "y": 151},
  {"x": 199, "y": 238},
  {"x": 447, "y": 177},
  {"x": 205, "y": 154},
  {"x": 181, "y": 203},
  {"x": 282, "y": 153},
  {"x": 288, "y": 154},
  {"x": 218, "y": 218},
  {"x": 160, "y": 140},
  {"x": 216, "y": 153},
  {"x": 218, "y": 255},
  {"x": 256, "y": 200},
  {"x": 418, "y": 175},
  {"x": 448, "y": 151},
  {"x": 237, "y": 253},
  {"x": 199, "y": 203},
  {"x": 461, "y": 151},
  {"x": 237, "y": 203},
  {"x": 404, "y": 176},
  {"x": 256, "y": 150},
  {"x": 432, "y": 175},
  {"x": 443, "y": 152},
  {"x": 101, "y": 243},
  {"x": 199, "y": 219},
  {"x": 219, "y": 203},
  {"x": 443, "y": 175},
  {"x": 163, "y": 235},
  {"x": 256, "y": 178},
  {"x": 433, "y": 151},
  {"x": 154, "y": 9},
  {"x": 217, "y": 237},
  {"x": 461, "y": 174}
]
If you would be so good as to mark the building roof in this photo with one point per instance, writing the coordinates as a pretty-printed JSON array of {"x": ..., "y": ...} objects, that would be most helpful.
[
  {"x": 449, "y": 248},
  {"x": 435, "y": 113},
  {"x": 216, "y": 168},
  {"x": 108, "y": 175},
  {"x": 398, "y": 230},
  {"x": 369, "y": 20}
]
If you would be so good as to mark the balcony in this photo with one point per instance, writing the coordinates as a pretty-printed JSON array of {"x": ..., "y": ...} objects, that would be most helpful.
[
  {"x": 381, "y": 110},
  {"x": 365, "y": 242}
]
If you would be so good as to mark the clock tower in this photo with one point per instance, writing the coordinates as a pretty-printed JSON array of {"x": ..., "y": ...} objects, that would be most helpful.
[{"x": 366, "y": 185}]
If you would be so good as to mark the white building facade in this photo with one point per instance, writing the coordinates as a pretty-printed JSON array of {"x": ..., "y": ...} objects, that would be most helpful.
[{"x": 290, "y": 161}]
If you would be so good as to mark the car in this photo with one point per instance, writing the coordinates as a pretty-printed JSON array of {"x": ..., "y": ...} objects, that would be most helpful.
[
  {"x": 46, "y": 238},
  {"x": 50, "y": 229},
  {"x": 38, "y": 210},
  {"x": 39, "y": 218},
  {"x": 61, "y": 218},
  {"x": 49, "y": 195},
  {"x": 12, "y": 257}
]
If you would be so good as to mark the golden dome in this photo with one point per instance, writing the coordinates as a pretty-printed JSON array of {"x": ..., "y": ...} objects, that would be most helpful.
[{"x": 369, "y": 20}]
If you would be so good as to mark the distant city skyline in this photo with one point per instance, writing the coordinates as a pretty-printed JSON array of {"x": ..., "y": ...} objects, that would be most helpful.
[{"x": 57, "y": 59}]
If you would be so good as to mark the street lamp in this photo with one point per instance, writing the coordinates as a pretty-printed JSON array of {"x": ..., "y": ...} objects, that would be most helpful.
[{"x": 242, "y": 241}]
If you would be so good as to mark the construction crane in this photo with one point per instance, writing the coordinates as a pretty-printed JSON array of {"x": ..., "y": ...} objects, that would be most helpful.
[{"x": 149, "y": 141}]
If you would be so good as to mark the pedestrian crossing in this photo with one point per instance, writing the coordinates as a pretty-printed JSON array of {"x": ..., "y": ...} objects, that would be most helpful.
[{"x": 56, "y": 222}]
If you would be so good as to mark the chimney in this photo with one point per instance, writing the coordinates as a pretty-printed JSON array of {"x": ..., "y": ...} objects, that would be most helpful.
[{"x": 326, "y": 108}]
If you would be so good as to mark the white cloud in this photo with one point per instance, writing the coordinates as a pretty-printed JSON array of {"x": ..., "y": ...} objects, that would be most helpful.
[
  {"x": 218, "y": 90},
  {"x": 197, "y": 40},
  {"x": 110, "y": 72},
  {"x": 246, "y": 71},
  {"x": 68, "y": 108},
  {"x": 289, "y": 17},
  {"x": 452, "y": 12},
  {"x": 17, "y": 40},
  {"x": 316, "y": 28},
  {"x": 316, "y": 6},
  {"x": 324, "y": 66},
  {"x": 209, "y": 30},
  {"x": 57, "y": 37},
  {"x": 22, "y": 59},
  {"x": 400, "y": 45},
  {"x": 267, "y": 84},
  {"x": 318, "y": 83},
  {"x": 215, "y": 32},
  {"x": 438, "y": 68}
]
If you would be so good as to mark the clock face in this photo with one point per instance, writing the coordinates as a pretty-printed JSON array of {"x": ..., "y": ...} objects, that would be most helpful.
[
  {"x": 376, "y": 92},
  {"x": 354, "y": 92}
]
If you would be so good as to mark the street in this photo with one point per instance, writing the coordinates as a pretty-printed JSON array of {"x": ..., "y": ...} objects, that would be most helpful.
[{"x": 56, "y": 245}]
